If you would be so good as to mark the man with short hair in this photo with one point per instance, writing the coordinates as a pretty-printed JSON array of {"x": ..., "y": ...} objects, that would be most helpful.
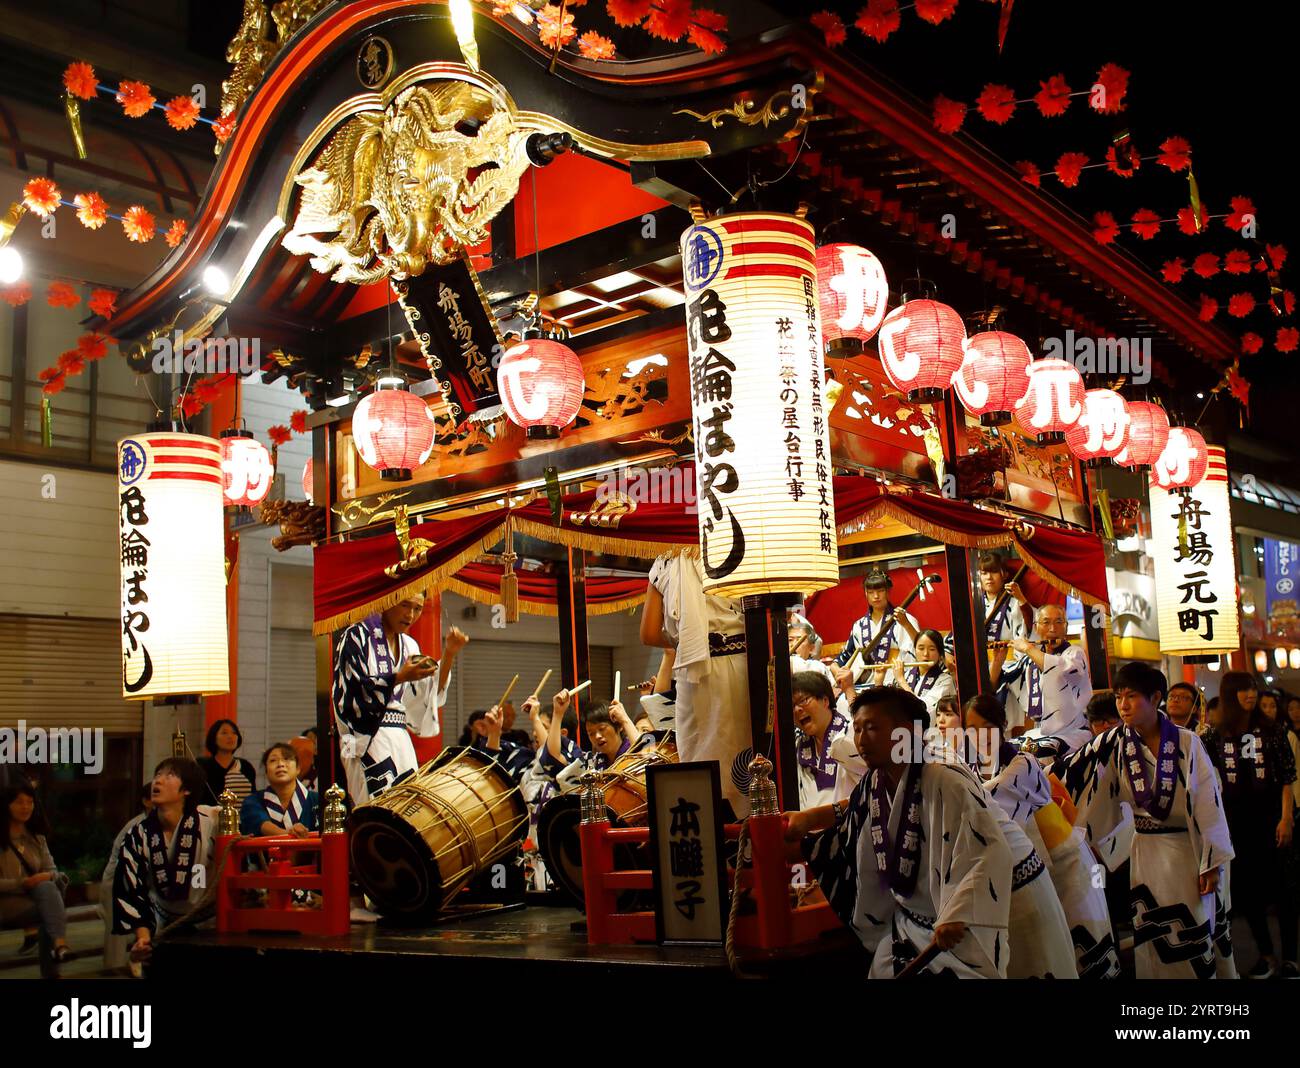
[
  {"x": 163, "y": 863},
  {"x": 1182, "y": 843},
  {"x": 383, "y": 689},
  {"x": 1184, "y": 704},
  {"x": 1101, "y": 712},
  {"x": 824, "y": 775},
  {"x": 914, "y": 856},
  {"x": 1047, "y": 687}
]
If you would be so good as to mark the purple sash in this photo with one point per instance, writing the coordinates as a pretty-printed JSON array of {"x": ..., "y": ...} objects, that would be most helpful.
[
  {"x": 1230, "y": 758},
  {"x": 899, "y": 862},
  {"x": 171, "y": 875},
  {"x": 818, "y": 759},
  {"x": 927, "y": 680},
  {"x": 1157, "y": 803},
  {"x": 993, "y": 625},
  {"x": 379, "y": 641}
]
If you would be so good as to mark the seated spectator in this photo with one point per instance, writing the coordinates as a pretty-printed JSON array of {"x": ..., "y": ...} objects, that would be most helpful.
[
  {"x": 286, "y": 806},
  {"x": 224, "y": 770},
  {"x": 31, "y": 886},
  {"x": 1101, "y": 713},
  {"x": 154, "y": 883},
  {"x": 117, "y": 947}
]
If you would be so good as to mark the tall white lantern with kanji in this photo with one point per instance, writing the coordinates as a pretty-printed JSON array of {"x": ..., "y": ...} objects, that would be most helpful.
[
  {"x": 762, "y": 433},
  {"x": 1195, "y": 562},
  {"x": 171, "y": 546}
]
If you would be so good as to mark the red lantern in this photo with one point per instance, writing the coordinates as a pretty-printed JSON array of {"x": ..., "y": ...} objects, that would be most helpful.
[
  {"x": 246, "y": 469},
  {"x": 1101, "y": 432},
  {"x": 541, "y": 386},
  {"x": 993, "y": 376},
  {"x": 921, "y": 348},
  {"x": 1148, "y": 433},
  {"x": 1183, "y": 462},
  {"x": 393, "y": 430},
  {"x": 1053, "y": 401},
  {"x": 308, "y": 474},
  {"x": 853, "y": 295}
]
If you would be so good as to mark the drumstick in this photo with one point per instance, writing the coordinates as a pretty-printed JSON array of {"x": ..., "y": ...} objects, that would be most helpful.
[
  {"x": 542, "y": 683},
  {"x": 580, "y": 687},
  {"x": 506, "y": 695},
  {"x": 919, "y": 963},
  {"x": 618, "y": 683}
]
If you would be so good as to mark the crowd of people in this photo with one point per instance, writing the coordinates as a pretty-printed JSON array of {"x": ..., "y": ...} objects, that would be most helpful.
[{"x": 1020, "y": 833}]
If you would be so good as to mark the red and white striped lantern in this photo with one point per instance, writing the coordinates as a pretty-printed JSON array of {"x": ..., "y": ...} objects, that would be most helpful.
[
  {"x": 394, "y": 431},
  {"x": 541, "y": 386},
  {"x": 993, "y": 376},
  {"x": 853, "y": 295},
  {"x": 1148, "y": 433},
  {"x": 1052, "y": 402},
  {"x": 921, "y": 348},
  {"x": 246, "y": 468},
  {"x": 1101, "y": 432},
  {"x": 1183, "y": 462},
  {"x": 171, "y": 546}
]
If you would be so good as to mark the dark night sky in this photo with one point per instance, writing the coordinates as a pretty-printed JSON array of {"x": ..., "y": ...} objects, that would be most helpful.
[{"x": 1226, "y": 86}]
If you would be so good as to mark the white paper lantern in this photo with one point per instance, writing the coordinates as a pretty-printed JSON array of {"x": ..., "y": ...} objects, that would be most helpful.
[
  {"x": 171, "y": 542},
  {"x": 1196, "y": 579},
  {"x": 762, "y": 434}
]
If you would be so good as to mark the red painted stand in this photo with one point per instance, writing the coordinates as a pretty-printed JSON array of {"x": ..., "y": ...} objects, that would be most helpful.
[
  {"x": 775, "y": 925},
  {"x": 328, "y": 877}
]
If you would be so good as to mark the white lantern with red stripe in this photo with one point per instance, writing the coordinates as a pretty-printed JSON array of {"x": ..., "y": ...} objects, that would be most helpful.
[
  {"x": 1183, "y": 462},
  {"x": 247, "y": 469},
  {"x": 171, "y": 548},
  {"x": 541, "y": 385},
  {"x": 1101, "y": 432},
  {"x": 922, "y": 344},
  {"x": 1052, "y": 402},
  {"x": 394, "y": 431},
  {"x": 760, "y": 411},
  {"x": 308, "y": 474},
  {"x": 853, "y": 296},
  {"x": 1148, "y": 433},
  {"x": 993, "y": 376}
]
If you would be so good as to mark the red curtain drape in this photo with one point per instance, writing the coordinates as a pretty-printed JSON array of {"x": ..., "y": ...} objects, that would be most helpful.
[
  {"x": 481, "y": 582},
  {"x": 351, "y": 582}
]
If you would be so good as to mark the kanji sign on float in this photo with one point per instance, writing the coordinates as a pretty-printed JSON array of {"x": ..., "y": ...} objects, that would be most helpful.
[
  {"x": 762, "y": 431},
  {"x": 172, "y": 552},
  {"x": 1196, "y": 569}
]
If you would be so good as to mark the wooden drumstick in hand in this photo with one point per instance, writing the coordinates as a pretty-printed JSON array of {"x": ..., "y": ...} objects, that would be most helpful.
[
  {"x": 505, "y": 696},
  {"x": 542, "y": 683}
]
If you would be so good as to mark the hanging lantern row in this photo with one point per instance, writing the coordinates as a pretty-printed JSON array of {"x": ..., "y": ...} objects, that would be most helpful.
[{"x": 924, "y": 349}]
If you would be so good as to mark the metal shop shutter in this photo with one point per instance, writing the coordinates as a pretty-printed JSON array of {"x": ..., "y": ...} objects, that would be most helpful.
[
  {"x": 484, "y": 668},
  {"x": 57, "y": 672}
]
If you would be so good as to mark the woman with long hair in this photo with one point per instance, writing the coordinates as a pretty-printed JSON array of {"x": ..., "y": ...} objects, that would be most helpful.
[
  {"x": 31, "y": 886},
  {"x": 1257, "y": 769}
]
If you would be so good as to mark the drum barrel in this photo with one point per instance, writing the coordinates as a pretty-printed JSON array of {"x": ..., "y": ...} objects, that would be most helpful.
[{"x": 416, "y": 845}]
